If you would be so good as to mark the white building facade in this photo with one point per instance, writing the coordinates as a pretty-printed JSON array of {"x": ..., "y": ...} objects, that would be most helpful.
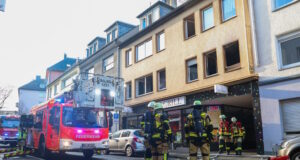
[{"x": 277, "y": 38}]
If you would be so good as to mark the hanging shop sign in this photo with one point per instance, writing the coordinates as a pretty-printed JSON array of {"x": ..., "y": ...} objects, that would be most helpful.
[
  {"x": 179, "y": 101},
  {"x": 221, "y": 89}
]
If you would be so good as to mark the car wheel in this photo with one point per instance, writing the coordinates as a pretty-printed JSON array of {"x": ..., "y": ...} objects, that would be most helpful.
[
  {"x": 296, "y": 156},
  {"x": 88, "y": 154},
  {"x": 129, "y": 151}
]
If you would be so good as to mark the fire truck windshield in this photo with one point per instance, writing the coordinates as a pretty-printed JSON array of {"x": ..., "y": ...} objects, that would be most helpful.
[
  {"x": 84, "y": 117},
  {"x": 9, "y": 123}
]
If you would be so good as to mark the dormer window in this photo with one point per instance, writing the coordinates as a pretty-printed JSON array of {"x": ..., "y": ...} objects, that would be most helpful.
[
  {"x": 108, "y": 37},
  {"x": 144, "y": 24},
  {"x": 114, "y": 32},
  {"x": 112, "y": 35}
]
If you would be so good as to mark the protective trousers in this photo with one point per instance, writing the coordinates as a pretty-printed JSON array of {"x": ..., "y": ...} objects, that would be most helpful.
[
  {"x": 237, "y": 142},
  {"x": 204, "y": 148},
  {"x": 160, "y": 152},
  {"x": 148, "y": 155},
  {"x": 224, "y": 143}
]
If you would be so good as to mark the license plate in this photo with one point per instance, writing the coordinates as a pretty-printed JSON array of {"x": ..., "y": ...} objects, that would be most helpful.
[{"x": 88, "y": 146}]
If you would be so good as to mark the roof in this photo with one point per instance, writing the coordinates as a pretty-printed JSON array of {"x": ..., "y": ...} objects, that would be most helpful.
[
  {"x": 119, "y": 23},
  {"x": 97, "y": 38},
  {"x": 62, "y": 65},
  {"x": 161, "y": 21},
  {"x": 158, "y": 3},
  {"x": 35, "y": 85}
]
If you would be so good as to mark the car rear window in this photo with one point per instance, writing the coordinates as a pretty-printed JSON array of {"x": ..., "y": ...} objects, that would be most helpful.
[{"x": 138, "y": 133}]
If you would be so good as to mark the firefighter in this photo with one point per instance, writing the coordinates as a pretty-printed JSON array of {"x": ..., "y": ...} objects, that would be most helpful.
[
  {"x": 146, "y": 125},
  {"x": 238, "y": 134},
  {"x": 162, "y": 134},
  {"x": 198, "y": 130},
  {"x": 224, "y": 135}
]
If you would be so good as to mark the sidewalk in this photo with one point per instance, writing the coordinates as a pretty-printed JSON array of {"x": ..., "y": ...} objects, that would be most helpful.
[{"x": 183, "y": 153}]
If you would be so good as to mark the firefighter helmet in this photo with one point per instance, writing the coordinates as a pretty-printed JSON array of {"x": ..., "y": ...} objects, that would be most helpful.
[
  {"x": 197, "y": 102},
  {"x": 158, "y": 106},
  {"x": 151, "y": 104},
  {"x": 233, "y": 119},
  {"x": 222, "y": 116}
]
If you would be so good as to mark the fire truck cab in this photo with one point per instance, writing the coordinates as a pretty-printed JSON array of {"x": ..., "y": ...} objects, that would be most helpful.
[
  {"x": 9, "y": 129},
  {"x": 60, "y": 127}
]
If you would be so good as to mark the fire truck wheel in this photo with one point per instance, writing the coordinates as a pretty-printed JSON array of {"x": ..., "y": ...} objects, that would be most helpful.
[{"x": 88, "y": 154}]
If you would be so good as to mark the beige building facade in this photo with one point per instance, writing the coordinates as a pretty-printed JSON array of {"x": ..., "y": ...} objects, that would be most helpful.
[{"x": 184, "y": 55}]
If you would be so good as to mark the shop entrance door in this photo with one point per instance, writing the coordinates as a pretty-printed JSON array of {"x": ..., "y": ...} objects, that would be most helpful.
[{"x": 175, "y": 124}]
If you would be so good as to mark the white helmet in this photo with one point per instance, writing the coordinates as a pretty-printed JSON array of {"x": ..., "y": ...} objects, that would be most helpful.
[
  {"x": 222, "y": 116},
  {"x": 233, "y": 119},
  {"x": 151, "y": 104}
]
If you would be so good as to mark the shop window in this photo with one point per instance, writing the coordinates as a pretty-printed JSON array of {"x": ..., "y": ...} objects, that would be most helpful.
[
  {"x": 210, "y": 63},
  {"x": 228, "y": 9},
  {"x": 189, "y": 27},
  {"x": 128, "y": 90},
  {"x": 128, "y": 60},
  {"x": 232, "y": 56},
  {"x": 192, "y": 72},
  {"x": 289, "y": 51},
  {"x": 144, "y": 85},
  {"x": 161, "y": 78},
  {"x": 207, "y": 18}
]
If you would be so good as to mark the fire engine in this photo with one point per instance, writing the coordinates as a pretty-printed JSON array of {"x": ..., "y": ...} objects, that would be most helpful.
[
  {"x": 9, "y": 129},
  {"x": 76, "y": 120}
]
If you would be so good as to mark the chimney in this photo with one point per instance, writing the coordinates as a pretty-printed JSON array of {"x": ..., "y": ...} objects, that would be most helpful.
[
  {"x": 65, "y": 55},
  {"x": 38, "y": 77}
]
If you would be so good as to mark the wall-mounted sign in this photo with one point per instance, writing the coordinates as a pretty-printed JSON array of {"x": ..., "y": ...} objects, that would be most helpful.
[
  {"x": 221, "y": 89},
  {"x": 179, "y": 101}
]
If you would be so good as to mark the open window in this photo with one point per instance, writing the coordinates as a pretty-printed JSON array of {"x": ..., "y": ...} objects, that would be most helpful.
[
  {"x": 189, "y": 27},
  {"x": 232, "y": 56},
  {"x": 210, "y": 62},
  {"x": 38, "y": 120}
]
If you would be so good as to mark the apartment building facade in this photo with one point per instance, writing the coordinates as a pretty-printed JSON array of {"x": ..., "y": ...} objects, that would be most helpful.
[
  {"x": 184, "y": 55},
  {"x": 277, "y": 31}
]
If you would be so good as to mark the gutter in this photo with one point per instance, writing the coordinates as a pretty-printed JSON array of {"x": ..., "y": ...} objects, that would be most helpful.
[{"x": 253, "y": 32}]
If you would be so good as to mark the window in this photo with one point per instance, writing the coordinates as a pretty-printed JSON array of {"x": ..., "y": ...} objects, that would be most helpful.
[
  {"x": 211, "y": 67},
  {"x": 189, "y": 27},
  {"x": 125, "y": 134},
  {"x": 160, "y": 40},
  {"x": 95, "y": 47},
  {"x": 144, "y": 85},
  {"x": 289, "y": 49},
  {"x": 128, "y": 90},
  {"x": 108, "y": 37},
  {"x": 90, "y": 72},
  {"x": 232, "y": 55},
  {"x": 128, "y": 58},
  {"x": 207, "y": 18},
  {"x": 149, "y": 17},
  {"x": 113, "y": 34},
  {"x": 68, "y": 81},
  {"x": 108, "y": 63},
  {"x": 192, "y": 72},
  {"x": 155, "y": 14},
  {"x": 116, "y": 135},
  {"x": 91, "y": 50},
  {"x": 228, "y": 9},
  {"x": 144, "y": 50},
  {"x": 161, "y": 78},
  {"x": 144, "y": 23},
  {"x": 38, "y": 119},
  {"x": 55, "y": 89},
  {"x": 281, "y": 3}
]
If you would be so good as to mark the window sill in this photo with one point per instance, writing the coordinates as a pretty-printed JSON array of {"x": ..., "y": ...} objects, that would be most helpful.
[
  {"x": 146, "y": 94},
  {"x": 128, "y": 99},
  {"x": 160, "y": 50},
  {"x": 202, "y": 31},
  {"x": 128, "y": 65},
  {"x": 192, "y": 81},
  {"x": 143, "y": 59},
  {"x": 160, "y": 90},
  {"x": 223, "y": 21},
  {"x": 233, "y": 68},
  {"x": 286, "y": 5},
  {"x": 209, "y": 76},
  {"x": 188, "y": 38}
]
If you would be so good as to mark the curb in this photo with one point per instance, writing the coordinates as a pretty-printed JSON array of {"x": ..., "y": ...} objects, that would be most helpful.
[{"x": 184, "y": 156}]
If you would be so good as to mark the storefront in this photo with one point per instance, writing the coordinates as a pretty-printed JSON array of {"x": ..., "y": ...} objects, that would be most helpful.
[{"x": 241, "y": 101}]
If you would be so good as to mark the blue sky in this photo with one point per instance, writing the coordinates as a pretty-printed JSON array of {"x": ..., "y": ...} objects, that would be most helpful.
[{"x": 35, "y": 34}]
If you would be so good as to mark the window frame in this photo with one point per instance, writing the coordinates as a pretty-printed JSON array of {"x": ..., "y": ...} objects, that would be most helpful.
[
  {"x": 202, "y": 17},
  {"x": 142, "y": 43},
  {"x": 274, "y": 9},
  {"x": 135, "y": 86},
  {"x": 157, "y": 40},
  {"x": 127, "y": 60},
  {"x": 185, "y": 36},
  {"x": 222, "y": 14},
  {"x": 235, "y": 66},
  {"x": 113, "y": 62},
  {"x": 205, "y": 63},
  {"x": 158, "y": 79},
  {"x": 126, "y": 95},
  {"x": 279, "y": 41},
  {"x": 186, "y": 70}
]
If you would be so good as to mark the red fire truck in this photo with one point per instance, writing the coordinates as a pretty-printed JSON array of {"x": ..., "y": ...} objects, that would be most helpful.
[
  {"x": 72, "y": 122},
  {"x": 9, "y": 129}
]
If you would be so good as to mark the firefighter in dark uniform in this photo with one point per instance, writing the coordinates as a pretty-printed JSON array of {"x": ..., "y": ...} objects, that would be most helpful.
[
  {"x": 198, "y": 130},
  {"x": 162, "y": 134},
  {"x": 238, "y": 134},
  {"x": 224, "y": 135},
  {"x": 146, "y": 125}
]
